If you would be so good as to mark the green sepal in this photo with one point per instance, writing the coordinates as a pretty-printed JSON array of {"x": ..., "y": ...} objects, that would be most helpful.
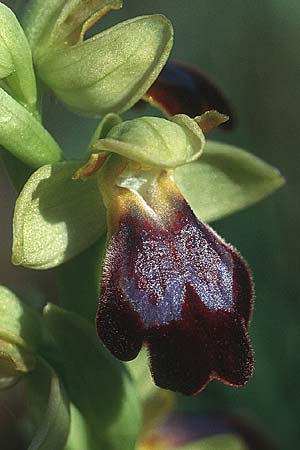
[
  {"x": 48, "y": 407},
  {"x": 220, "y": 442},
  {"x": 153, "y": 141},
  {"x": 20, "y": 335},
  {"x": 24, "y": 136},
  {"x": 98, "y": 385},
  {"x": 16, "y": 60},
  {"x": 225, "y": 180},
  {"x": 56, "y": 217},
  {"x": 111, "y": 71},
  {"x": 56, "y": 23}
]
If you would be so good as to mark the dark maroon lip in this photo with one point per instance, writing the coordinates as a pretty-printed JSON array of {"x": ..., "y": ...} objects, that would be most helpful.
[{"x": 182, "y": 291}]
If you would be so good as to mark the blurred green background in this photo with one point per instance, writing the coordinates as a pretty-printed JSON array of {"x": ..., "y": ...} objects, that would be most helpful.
[{"x": 251, "y": 49}]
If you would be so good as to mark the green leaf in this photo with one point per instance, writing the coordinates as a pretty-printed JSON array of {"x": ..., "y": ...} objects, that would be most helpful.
[
  {"x": 221, "y": 442},
  {"x": 20, "y": 335},
  {"x": 49, "y": 407},
  {"x": 16, "y": 60},
  {"x": 56, "y": 217},
  {"x": 24, "y": 136},
  {"x": 97, "y": 384},
  {"x": 224, "y": 180},
  {"x": 57, "y": 22},
  {"x": 111, "y": 71},
  {"x": 78, "y": 438},
  {"x": 156, "y": 402},
  {"x": 155, "y": 141}
]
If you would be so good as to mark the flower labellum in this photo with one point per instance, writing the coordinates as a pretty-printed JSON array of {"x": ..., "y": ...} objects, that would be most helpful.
[{"x": 170, "y": 282}]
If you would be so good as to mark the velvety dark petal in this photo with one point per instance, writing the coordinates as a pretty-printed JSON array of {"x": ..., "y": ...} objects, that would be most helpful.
[
  {"x": 171, "y": 282},
  {"x": 181, "y": 88},
  {"x": 118, "y": 325}
]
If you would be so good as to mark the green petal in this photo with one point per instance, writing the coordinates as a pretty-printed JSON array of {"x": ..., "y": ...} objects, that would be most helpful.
[
  {"x": 111, "y": 71},
  {"x": 24, "y": 136},
  {"x": 221, "y": 442},
  {"x": 225, "y": 179},
  {"x": 49, "y": 406},
  {"x": 98, "y": 385},
  {"x": 155, "y": 141},
  {"x": 16, "y": 53},
  {"x": 56, "y": 217}
]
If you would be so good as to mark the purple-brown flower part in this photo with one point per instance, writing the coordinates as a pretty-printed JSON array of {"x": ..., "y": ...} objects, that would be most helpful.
[
  {"x": 181, "y": 88},
  {"x": 172, "y": 283}
]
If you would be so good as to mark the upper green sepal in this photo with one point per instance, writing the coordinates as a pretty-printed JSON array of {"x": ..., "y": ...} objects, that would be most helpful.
[
  {"x": 225, "y": 180},
  {"x": 106, "y": 408},
  {"x": 20, "y": 336},
  {"x": 153, "y": 141},
  {"x": 16, "y": 69},
  {"x": 24, "y": 136},
  {"x": 56, "y": 217},
  {"x": 111, "y": 71}
]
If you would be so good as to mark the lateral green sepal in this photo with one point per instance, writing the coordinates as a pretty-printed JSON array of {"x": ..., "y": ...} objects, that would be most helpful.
[
  {"x": 224, "y": 180},
  {"x": 56, "y": 217}
]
